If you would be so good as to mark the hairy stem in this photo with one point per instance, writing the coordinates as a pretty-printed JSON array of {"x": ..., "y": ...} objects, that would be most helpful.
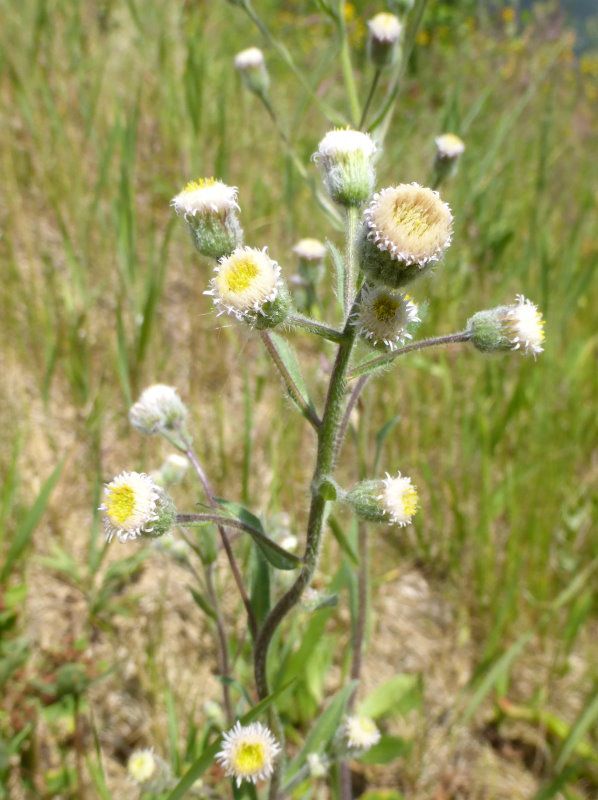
[
  {"x": 350, "y": 258},
  {"x": 207, "y": 487},
  {"x": 382, "y": 361},
  {"x": 222, "y": 651},
  {"x": 370, "y": 97},
  {"x": 315, "y": 326},
  {"x": 325, "y": 462},
  {"x": 353, "y": 398},
  {"x": 292, "y": 388}
]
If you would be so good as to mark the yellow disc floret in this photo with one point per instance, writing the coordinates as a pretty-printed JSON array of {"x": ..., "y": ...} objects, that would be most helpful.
[
  {"x": 120, "y": 503},
  {"x": 248, "y": 752},
  {"x": 244, "y": 282},
  {"x": 130, "y": 506}
]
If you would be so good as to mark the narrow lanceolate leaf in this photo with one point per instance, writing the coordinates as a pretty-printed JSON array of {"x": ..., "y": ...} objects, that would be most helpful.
[
  {"x": 286, "y": 353},
  {"x": 584, "y": 722},
  {"x": 25, "y": 530},
  {"x": 206, "y": 759},
  {"x": 339, "y": 271},
  {"x": 324, "y": 728},
  {"x": 274, "y": 553},
  {"x": 399, "y": 695}
]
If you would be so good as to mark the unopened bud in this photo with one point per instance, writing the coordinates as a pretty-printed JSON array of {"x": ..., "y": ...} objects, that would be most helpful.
[{"x": 346, "y": 160}]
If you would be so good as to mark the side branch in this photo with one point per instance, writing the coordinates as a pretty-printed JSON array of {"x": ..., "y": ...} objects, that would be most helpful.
[
  {"x": 292, "y": 388},
  {"x": 315, "y": 326},
  {"x": 382, "y": 361}
]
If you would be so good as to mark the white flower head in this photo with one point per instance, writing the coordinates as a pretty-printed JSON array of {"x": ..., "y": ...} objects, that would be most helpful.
[
  {"x": 174, "y": 468},
  {"x": 525, "y": 326},
  {"x": 410, "y": 223},
  {"x": 251, "y": 58},
  {"x": 385, "y": 27},
  {"x": 248, "y": 752},
  {"x": 206, "y": 197},
  {"x": 317, "y": 765},
  {"x": 342, "y": 144},
  {"x": 449, "y": 146},
  {"x": 384, "y": 315},
  {"x": 310, "y": 250},
  {"x": 400, "y": 499},
  {"x": 131, "y": 506},
  {"x": 150, "y": 772},
  {"x": 244, "y": 282},
  {"x": 361, "y": 732},
  {"x": 159, "y": 408}
]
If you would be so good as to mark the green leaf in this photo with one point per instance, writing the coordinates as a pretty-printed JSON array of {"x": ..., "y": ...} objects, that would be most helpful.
[
  {"x": 342, "y": 541},
  {"x": 400, "y": 694},
  {"x": 583, "y": 723},
  {"x": 387, "y": 749},
  {"x": 25, "y": 530},
  {"x": 206, "y": 759},
  {"x": 327, "y": 489},
  {"x": 324, "y": 728},
  {"x": 202, "y": 603},
  {"x": 497, "y": 673},
  {"x": 339, "y": 271},
  {"x": 286, "y": 353},
  {"x": 260, "y": 587},
  {"x": 274, "y": 553},
  {"x": 381, "y": 436}
]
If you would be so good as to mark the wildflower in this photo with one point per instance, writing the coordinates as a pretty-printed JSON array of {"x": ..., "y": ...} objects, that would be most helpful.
[
  {"x": 135, "y": 506},
  {"x": 248, "y": 284},
  {"x": 173, "y": 469},
  {"x": 317, "y": 765},
  {"x": 248, "y": 752},
  {"x": 391, "y": 500},
  {"x": 361, "y": 733},
  {"x": 149, "y": 771},
  {"x": 383, "y": 317},
  {"x": 210, "y": 209},
  {"x": 516, "y": 327},
  {"x": 406, "y": 228},
  {"x": 252, "y": 67},
  {"x": 449, "y": 146},
  {"x": 345, "y": 158},
  {"x": 383, "y": 40},
  {"x": 310, "y": 250},
  {"x": 158, "y": 409}
]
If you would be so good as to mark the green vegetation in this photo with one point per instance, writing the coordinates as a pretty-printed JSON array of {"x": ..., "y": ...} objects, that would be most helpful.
[{"x": 106, "y": 110}]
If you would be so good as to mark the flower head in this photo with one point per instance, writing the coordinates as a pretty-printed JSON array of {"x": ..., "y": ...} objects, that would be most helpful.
[
  {"x": 135, "y": 506},
  {"x": 361, "y": 732},
  {"x": 251, "y": 64},
  {"x": 384, "y": 33},
  {"x": 247, "y": 284},
  {"x": 317, "y": 765},
  {"x": 345, "y": 158},
  {"x": 205, "y": 196},
  {"x": 148, "y": 770},
  {"x": 449, "y": 146},
  {"x": 400, "y": 499},
  {"x": 310, "y": 250},
  {"x": 211, "y": 210},
  {"x": 393, "y": 501},
  {"x": 248, "y": 752},
  {"x": 158, "y": 409},
  {"x": 516, "y": 327},
  {"x": 173, "y": 469},
  {"x": 406, "y": 228},
  {"x": 384, "y": 315}
]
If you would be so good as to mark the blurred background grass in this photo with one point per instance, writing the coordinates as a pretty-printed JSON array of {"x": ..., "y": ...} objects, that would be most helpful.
[{"x": 107, "y": 108}]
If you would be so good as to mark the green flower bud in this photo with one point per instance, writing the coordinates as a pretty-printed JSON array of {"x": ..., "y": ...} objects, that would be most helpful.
[
  {"x": 210, "y": 209},
  {"x": 391, "y": 500},
  {"x": 516, "y": 327},
  {"x": 252, "y": 67},
  {"x": 383, "y": 39},
  {"x": 345, "y": 158}
]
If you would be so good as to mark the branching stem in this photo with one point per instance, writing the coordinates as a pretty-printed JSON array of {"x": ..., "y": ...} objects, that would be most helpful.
[
  {"x": 381, "y": 361},
  {"x": 315, "y": 326}
]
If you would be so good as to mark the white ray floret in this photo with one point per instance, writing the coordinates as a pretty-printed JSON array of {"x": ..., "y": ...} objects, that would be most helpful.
[
  {"x": 409, "y": 222},
  {"x": 248, "y": 752},
  {"x": 205, "y": 196},
  {"x": 251, "y": 58},
  {"x": 525, "y": 326},
  {"x": 385, "y": 27},
  {"x": 244, "y": 282},
  {"x": 449, "y": 146},
  {"x": 384, "y": 315},
  {"x": 130, "y": 506},
  {"x": 342, "y": 143},
  {"x": 400, "y": 499},
  {"x": 159, "y": 407},
  {"x": 361, "y": 732}
]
